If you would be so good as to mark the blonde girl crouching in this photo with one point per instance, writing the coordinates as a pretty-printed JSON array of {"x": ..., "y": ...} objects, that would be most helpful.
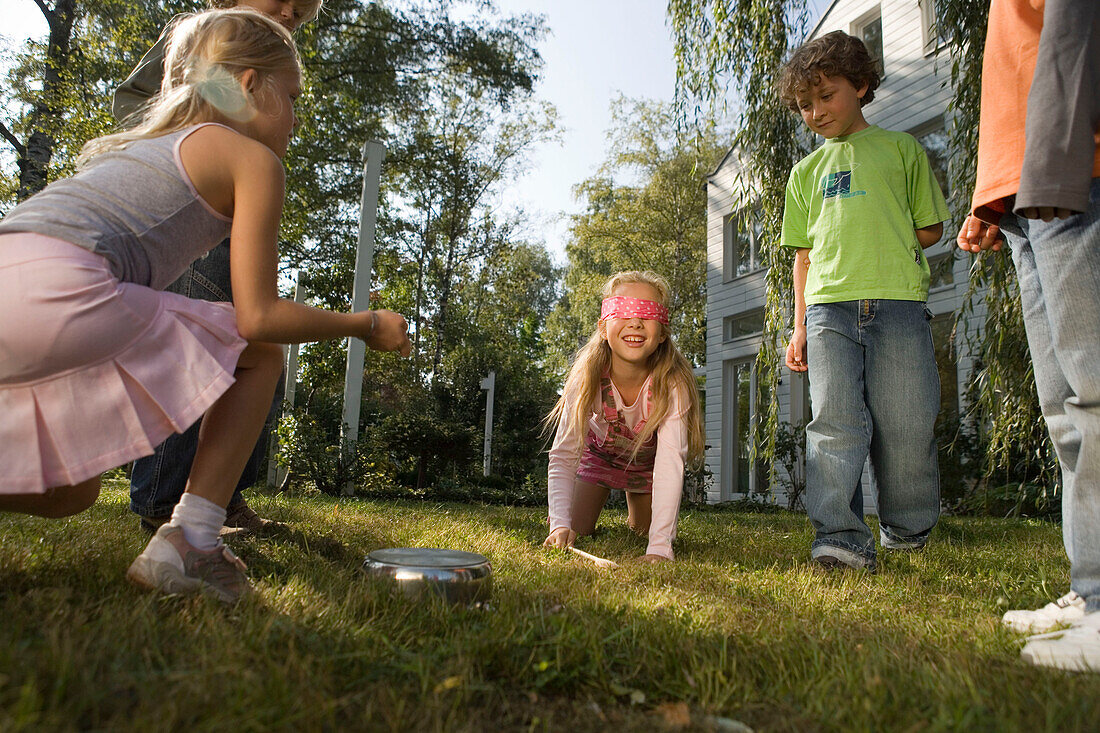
[{"x": 97, "y": 363}]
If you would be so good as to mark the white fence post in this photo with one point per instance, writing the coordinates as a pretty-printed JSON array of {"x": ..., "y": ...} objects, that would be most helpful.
[
  {"x": 277, "y": 474},
  {"x": 489, "y": 384},
  {"x": 373, "y": 155}
]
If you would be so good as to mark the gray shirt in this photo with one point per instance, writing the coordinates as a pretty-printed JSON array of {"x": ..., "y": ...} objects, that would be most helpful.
[
  {"x": 1063, "y": 108},
  {"x": 135, "y": 206}
]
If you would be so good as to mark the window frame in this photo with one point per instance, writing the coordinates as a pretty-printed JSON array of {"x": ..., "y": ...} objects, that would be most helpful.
[
  {"x": 860, "y": 24},
  {"x": 732, "y": 231},
  {"x": 933, "y": 39},
  {"x": 727, "y": 322}
]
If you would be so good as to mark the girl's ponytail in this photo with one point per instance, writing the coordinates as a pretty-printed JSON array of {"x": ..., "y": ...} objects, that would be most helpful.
[{"x": 207, "y": 55}]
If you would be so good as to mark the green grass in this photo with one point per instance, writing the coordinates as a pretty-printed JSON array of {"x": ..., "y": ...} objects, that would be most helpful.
[{"x": 740, "y": 627}]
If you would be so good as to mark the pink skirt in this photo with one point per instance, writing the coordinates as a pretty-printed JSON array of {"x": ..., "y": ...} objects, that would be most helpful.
[{"x": 94, "y": 372}]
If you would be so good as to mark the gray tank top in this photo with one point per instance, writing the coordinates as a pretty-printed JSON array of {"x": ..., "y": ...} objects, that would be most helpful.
[{"x": 136, "y": 207}]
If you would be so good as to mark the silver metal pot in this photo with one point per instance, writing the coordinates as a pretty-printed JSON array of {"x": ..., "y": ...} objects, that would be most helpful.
[{"x": 453, "y": 575}]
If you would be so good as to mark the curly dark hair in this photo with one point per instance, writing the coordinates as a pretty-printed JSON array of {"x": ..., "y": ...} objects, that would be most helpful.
[{"x": 834, "y": 54}]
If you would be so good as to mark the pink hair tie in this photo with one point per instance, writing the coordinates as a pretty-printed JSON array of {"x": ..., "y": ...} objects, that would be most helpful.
[{"x": 620, "y": 306}]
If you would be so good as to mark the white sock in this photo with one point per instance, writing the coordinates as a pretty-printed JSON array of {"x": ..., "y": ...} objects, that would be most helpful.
[{"x": 200, "y": 519}]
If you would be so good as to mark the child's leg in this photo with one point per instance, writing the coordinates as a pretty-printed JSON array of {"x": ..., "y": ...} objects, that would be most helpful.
[
  {"x": 60, "y": 501},
  {"x": 838, "y": 438},
  {"x": 639, "y": 508},
  {"x": 588, "y": 501},
  {"x": 232, "y": 425},
  {"x": 903, "y": 396},
  {"x": 184, "y": 555}
]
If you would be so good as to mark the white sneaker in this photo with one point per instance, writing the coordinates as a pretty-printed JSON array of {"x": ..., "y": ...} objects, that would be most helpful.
[
  {"x": 1065, "y": 610},
  {"x": 1076, "y": 649}
]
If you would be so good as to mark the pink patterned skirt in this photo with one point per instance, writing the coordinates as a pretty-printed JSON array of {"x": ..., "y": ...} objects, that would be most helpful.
[{"x": 94, "y": 372}]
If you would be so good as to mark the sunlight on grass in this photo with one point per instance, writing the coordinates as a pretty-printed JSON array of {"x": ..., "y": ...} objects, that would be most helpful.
[{"x": 740, "y": 627}]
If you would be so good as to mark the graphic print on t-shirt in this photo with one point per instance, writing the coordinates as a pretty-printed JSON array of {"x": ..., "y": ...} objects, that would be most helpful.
[{"x": 838, "y": 185}]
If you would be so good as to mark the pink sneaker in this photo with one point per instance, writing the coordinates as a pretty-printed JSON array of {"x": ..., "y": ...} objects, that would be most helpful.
[{"x": 171, "y": 565}]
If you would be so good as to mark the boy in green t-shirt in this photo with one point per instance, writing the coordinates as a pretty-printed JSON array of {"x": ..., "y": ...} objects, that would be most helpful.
[{"x": 859, "y": 211}]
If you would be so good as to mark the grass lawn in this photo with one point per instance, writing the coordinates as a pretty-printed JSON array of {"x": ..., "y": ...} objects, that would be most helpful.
[{"x": 740, "y": 628}]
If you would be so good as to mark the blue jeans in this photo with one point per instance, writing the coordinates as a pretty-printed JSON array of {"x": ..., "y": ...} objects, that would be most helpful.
[
  {"x": 1058, "y": 265},
  {"x": 875, "y": 391},
  {"x": 157, "y": 481}
]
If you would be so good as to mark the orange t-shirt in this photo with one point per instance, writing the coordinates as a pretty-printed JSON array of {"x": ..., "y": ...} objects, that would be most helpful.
[{"x": 1011, "y": 47}]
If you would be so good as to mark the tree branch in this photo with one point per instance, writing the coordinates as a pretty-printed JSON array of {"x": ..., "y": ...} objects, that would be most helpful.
[
  {"x": 45, "y": 10},
  {"x": 11, "y": 138}
]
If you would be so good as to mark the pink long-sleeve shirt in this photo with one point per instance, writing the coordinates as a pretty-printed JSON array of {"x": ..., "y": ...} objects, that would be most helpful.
[{"x": 668, "y": 465}]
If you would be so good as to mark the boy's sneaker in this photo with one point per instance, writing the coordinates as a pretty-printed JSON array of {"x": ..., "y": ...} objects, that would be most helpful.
[
  {"x": 172, "y": 565},
  {"x": 1065, "y": 610},
  {"x": 890, "y": 542},
  {"x": 242, "y": 516},
  {"x": 1076, "y": 649},
  {"x": 832, "y": 558},
  {"x": 238, "y": 518}
]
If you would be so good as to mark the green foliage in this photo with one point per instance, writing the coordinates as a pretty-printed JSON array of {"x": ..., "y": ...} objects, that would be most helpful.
[
  {"x": 740, "y": 627},
  {"x": 334, "y": 466},
  {"x": 425, "y": 448},
  {"x": 790, "y": 455},
  {"x": 746, "y": 42},
  {"x": 645, "y": 210},
  {"x": 57, "y": 91}
]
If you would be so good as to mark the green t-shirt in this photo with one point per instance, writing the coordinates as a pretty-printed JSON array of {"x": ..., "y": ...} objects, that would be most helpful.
[{"x": 855, "y": 202}]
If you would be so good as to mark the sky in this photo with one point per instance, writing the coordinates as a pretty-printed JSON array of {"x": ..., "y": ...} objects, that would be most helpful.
[{"x": 596, "y": 50}]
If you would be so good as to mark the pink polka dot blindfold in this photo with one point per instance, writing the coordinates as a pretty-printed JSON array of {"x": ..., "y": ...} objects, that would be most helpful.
[{"x": 621, "y": 306}]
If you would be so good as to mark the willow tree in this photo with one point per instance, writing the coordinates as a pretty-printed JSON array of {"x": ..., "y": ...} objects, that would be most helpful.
[{"x": 734, "y": 49}]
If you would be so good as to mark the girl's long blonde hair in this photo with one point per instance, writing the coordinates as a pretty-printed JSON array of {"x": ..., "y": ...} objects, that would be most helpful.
[
  {"x": 207, "y": 55},
  {"x": 668, "y": 367}
]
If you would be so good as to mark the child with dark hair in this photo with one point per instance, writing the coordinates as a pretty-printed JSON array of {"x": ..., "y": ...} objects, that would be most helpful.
[{"x": 860, "y": 210}]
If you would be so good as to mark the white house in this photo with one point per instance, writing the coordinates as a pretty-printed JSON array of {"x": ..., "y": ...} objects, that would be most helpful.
[{"x": 913, "y": 97}]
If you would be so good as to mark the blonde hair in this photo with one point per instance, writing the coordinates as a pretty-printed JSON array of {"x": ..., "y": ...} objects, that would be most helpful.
[
  {"x": 668, "y": 368},
  {"x": 207, "y": 55},
  {"x": 307, "y": 9}
]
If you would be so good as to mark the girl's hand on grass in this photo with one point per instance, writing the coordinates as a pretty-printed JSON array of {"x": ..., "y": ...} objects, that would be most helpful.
[
  {"x": 561, "y": 538},
  {"x": 651, "y": 559}
]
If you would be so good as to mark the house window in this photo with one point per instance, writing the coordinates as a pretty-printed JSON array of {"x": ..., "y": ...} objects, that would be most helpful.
[
  {"x": 942, "y": 268},
  {"x": 741, "y": 234},
  {"x": 869, "y": 30},
  {"x": 741, "y": 325},
  {"x": 933, "y": 138},
  {"x": 936, "y": 36},
  {"x": 745, "y": 398}
]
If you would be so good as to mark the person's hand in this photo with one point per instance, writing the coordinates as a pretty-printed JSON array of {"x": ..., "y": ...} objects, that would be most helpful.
[
  {"x": 975, "y": 235},
  {"x": 1046, "y": 213},
  {"x": 650, "y": 560},
  {"x": 796, "y": 351},
  {"x": 389, "y": 333},
  {"x": 562, "y": 537}
]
